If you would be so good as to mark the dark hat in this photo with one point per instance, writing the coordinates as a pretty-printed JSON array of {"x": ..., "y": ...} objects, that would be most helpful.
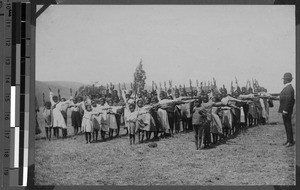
[{"x": 287, "y": 76}]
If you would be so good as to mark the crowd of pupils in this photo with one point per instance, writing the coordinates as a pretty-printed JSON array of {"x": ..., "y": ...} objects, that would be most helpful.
[{"x": 213, "y": 114}]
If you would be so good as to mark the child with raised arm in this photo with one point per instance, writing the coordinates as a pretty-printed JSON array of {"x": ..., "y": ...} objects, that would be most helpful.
[
  {"x": 76, "y": 118},
  {"x": 102, "y": 118},
  {"x": 96, "y": 122},
  {"x": 111, "y": 118},
  {"x": 58, "y": 119},
  {"x": 87, "y": 122},
  {"x": 63, "y": 110},
  {"x": 128, "y": 101}
]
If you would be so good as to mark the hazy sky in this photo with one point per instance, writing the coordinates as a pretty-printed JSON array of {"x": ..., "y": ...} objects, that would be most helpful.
[{"x": 176, "y": 42}]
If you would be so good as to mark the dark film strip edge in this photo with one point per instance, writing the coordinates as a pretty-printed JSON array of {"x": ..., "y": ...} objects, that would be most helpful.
[
  {"x": 2, "y": 61},
  {"x": 14, "y": 134},
  {"x": 7, "y": 91}
]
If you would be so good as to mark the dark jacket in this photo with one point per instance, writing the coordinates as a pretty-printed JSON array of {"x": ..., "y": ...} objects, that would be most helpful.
[{"x": 287, "y": 99}]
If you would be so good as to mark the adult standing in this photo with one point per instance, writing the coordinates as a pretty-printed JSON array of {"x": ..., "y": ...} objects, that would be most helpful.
[{"x": 287, "y": 102}]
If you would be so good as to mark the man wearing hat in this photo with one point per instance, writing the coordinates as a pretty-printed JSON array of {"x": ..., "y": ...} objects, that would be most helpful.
[{"x": 287, "y": 102}]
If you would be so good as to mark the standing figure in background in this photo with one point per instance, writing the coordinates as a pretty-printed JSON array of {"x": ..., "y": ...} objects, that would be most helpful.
[
  {"x": 206, "y": 111},
  {"x": 131, "y": 120},
  {"x": 119, "y": 112},
  {"x": 75, "y": 117},
  {"x": 64, "y": 109},
  {"x": 81, "y": 111},
  {"x": 37, "y": 126},
  {"x": 287, "y": 102},
  {"x": 111, "y": 117},
  {"x": 102, "y": 119},
  {"x": 96, "y": 122},
  {"x": 127, "y": 99},
  {"x": 146, "y": 123},
  {"x": 177, "y": 112},
  {"x": 198, "y": 124},
  {"x": 47, "y": 115}
]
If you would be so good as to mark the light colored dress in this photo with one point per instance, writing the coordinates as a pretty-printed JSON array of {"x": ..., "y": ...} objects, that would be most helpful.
[
  {"x": 163, "y": 114},
  {"x": 111, "y": 118},
  {"x": 87, "y": 120},
  {"x": 58, "y": 119},
  {"x": 163, "y": 119}
]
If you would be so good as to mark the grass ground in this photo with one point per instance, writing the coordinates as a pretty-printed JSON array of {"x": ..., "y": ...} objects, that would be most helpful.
[{"x": 253, "y": 157}]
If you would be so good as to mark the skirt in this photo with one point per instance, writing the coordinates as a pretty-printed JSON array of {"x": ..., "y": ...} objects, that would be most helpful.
[
  {"x": 227, "y": 119},
  {"x": 76, "y": 119},
  {"x": 148, "y": 122},
  {"x": 163, "y": 119},
  {"x": 216, "y": 126},
  {"x": 58, "y": 119},
  {"x": 177, "y": 119},
  {"x": 87, "y": 125},
  {"x": 252, "y": 111},
  {"x": 65, "y": 116},
  {"x": 96, "y": 123},
  {"x": 112, "y": 121}
]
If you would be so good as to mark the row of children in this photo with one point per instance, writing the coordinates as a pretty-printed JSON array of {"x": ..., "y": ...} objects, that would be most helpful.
[{"x": 212, "y": 114}]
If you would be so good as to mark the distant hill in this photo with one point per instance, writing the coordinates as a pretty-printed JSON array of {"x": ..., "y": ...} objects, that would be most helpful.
[{"x": 64, "y": 86}]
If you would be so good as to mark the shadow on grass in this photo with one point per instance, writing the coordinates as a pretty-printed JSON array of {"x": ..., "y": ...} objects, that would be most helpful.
[
  {"x": 243, "y": 130},
  {"x": 60, "y": 138}
]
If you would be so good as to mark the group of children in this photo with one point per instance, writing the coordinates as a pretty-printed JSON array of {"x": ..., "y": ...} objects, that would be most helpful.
[{"x": 212, "y": 114}]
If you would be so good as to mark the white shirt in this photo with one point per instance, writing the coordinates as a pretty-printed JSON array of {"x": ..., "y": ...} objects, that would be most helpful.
[{"x": 285, "y": 85}]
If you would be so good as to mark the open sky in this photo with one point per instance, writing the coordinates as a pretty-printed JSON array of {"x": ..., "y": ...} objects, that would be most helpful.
[{"x": 176, "y": 42}]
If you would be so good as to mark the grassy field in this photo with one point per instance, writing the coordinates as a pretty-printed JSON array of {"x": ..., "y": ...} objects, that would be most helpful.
[{"x": 253, "y": 157}]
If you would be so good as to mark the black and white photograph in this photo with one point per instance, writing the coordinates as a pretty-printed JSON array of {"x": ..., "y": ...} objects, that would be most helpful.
[{"x": 165, "y": 95}]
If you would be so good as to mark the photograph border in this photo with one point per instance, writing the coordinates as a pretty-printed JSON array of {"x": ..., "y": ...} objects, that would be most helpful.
[{"x": 46, "y": 3}]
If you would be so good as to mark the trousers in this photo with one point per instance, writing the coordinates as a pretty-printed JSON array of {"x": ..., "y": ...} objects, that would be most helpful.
[{"x": 287, "y": 121}]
